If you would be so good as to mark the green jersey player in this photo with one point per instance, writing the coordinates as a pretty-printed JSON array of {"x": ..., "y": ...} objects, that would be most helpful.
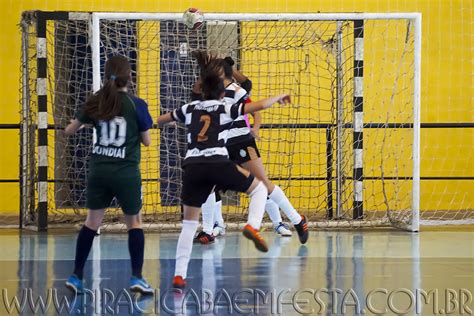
[{"x": 121, "y": 121}]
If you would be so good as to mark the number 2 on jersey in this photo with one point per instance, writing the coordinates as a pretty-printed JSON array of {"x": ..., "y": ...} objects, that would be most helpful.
[{"x": 202, "y": 137}]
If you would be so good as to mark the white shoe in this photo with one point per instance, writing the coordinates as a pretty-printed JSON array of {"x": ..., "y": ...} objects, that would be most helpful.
[
  {"x": 283, "y": 230},
  {"x": 218, "y": 230}
]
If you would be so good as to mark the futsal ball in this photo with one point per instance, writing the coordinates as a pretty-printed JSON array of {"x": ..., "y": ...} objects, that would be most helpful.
[{"x": 193, "y": 18}]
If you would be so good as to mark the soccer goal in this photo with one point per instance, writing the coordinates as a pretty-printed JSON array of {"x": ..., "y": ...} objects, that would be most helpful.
[{"x": 346, "y": 152}]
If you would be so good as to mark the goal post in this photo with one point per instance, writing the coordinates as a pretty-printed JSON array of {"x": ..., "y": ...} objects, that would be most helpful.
[{"x": 355, "y": 81}]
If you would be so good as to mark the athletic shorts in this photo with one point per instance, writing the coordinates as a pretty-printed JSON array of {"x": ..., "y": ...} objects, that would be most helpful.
[
  {"x": 243, "y": 152},
  {"x": 199, "y": 179},
  {"x": 102, "y": 189}
]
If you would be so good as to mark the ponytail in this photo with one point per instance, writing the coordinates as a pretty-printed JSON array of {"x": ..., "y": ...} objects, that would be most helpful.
[{"x": 106, "y": 103}]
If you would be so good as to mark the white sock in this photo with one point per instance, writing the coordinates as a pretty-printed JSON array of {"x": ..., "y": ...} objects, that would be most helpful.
[
  {"x": 273, "y": 212},
  {"x": 218, "y": 214},
  {"x": 184, "y": 247},
  {"x": 258, "y": 197},
  {"x": 280, "y": 198},
  {"x": 208, "y": 213}
]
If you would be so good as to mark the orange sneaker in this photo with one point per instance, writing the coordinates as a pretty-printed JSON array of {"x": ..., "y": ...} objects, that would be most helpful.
[
  {"x": 253, "y": 234},
  {"x": 179, "y": 283}
]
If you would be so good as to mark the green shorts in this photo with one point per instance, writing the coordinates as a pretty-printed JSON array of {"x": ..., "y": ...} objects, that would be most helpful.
[{"x": 101, "y": 190}]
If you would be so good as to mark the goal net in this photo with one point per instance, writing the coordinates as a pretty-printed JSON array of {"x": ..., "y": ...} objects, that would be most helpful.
[{"x": 345, "y": 152}]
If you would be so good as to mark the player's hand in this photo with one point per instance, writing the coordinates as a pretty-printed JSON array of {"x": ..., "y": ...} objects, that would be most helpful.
[
  {"x": 229, "y": 60},
  {"x": 284, "y": 99},
  {"x": 254, "y": 131},
  {"x": 80, "y": 127}
]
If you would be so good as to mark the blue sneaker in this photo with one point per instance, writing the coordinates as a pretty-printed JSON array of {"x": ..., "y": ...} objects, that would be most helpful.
[
  {"x": 75, "y": 284},
  {"x": 140, "y": 286}
]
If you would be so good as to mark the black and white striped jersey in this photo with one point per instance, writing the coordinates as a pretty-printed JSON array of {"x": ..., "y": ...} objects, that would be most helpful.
[
  {"x": 239, "y": 131},
  {"x": 207, "y": 124}
]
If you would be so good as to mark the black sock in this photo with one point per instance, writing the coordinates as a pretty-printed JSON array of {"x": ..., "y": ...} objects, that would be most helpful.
[
  {"x": 83, "y": 247},
  {"x": 136, "y": 247}
]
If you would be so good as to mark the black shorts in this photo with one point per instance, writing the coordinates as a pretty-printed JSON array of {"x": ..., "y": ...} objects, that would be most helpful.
[
  {"x": 199, "y": 179},
  {"x": 243, "y": 152}
]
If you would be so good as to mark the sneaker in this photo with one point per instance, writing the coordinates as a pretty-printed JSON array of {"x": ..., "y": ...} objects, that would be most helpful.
[
  {"x": 253, "y": 234},
  {"x": 179, "y": 283},
  {"x": 283, "y": 230},
  {"x": 302, "y": 229},
  {"x": 75, "y": 284},
  {"x": 218, "y": 230},
  {"x": 204, "y": 238},
  {"x": 140, "y": 286}
]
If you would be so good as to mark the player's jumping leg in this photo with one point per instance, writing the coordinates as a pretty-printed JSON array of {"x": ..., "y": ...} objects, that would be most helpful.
[
  {"x": 85, "y": 238},
  {"x": 185, "y": 245},
  {"x": 276, "y": 195},
  {"x": 258, "y": 196}
]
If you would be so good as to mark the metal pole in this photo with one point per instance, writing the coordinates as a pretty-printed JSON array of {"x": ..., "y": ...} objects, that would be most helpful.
[
  {"x": 339, "y": 122},
  {"x": 329, "y": 177},
  {"x": 358, "y": 132},
  {"x": 95, "y": 51},
  {"x": 415, "y": 226},
  {"x": 24, "y": 167}
]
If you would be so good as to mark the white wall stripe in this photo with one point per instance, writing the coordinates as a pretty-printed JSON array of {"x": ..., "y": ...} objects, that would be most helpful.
[
  {"x": 41, "y": 86},
  {"x": 41, "y": 47},
  {"x": 358, "y": 155},
  {"x": 43, "y": 120},
  {"x": 359, "y": 48},
  {"x": 358, "y": 121},
  {"x": 42, "y": 191},
  {"x": 42, "y": 156},
  {"x": 358, "y": 86},
  {"x": 358, "y": 191}
]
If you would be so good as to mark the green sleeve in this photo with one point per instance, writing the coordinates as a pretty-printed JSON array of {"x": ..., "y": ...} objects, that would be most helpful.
[{"x": 82, "y": 117}]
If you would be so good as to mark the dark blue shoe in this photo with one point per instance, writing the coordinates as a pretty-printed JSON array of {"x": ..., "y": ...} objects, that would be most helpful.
[
  {"x": 75, "y": 284},
  {"x": 140, "y": 286}
]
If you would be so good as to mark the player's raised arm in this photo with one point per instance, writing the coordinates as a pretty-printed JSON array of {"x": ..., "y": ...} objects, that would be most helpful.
[
  {"x": 177, "y": 115},
  {"x": 164, "y": 119},
  {"x": 242, "y": 79},
  {"x": 73, "y": 127},
  {"x": 266, "y": 103}
]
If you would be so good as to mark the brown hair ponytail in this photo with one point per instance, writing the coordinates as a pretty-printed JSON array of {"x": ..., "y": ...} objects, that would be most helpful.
[{"x": 106, "y": 103}]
